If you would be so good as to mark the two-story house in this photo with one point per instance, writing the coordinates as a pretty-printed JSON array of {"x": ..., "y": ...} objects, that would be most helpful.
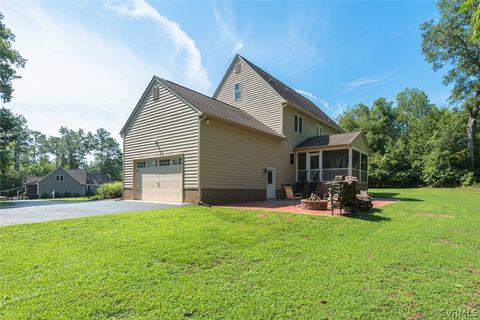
[{"x": 253, "y": 136}]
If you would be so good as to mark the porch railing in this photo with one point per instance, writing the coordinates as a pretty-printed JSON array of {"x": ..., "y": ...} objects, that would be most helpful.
[{"x": 321, "y": 174}]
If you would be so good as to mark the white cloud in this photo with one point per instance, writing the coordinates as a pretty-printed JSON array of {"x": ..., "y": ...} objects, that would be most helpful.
[
  {"x": 78, "y": 77},
  {"x": 325, "y": 104},
  {"x": 366, "y": 81},
  {"x": 304, "y": 50},
  {"x": 227, "y": 28},
  {"x": 73, "y": 77},
  {"x": 307, "y": 94},
  {"x": 196, "y": 73}
]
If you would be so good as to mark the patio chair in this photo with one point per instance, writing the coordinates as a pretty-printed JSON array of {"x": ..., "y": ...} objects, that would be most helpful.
[{"x": 289, "y": 195}]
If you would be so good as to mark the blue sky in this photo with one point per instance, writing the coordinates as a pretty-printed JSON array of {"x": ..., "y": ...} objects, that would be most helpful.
[{"x": 89, "y": 62}]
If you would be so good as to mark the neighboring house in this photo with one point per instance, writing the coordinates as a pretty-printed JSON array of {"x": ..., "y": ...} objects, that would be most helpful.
[
  {"x": 253, "y": 136},
  {"x": 76, "y": 182}
]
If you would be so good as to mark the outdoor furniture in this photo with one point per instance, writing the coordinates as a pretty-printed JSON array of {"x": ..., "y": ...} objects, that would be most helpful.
[
  {"x": 289, "y": 195},
  {"x": 343, "y": 194}
]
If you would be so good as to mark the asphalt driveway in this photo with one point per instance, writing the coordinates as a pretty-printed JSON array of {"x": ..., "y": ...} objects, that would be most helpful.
[{"x": 30, "y": 211}]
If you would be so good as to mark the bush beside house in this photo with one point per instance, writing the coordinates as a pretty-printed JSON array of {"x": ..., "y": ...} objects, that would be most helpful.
[{"x": 109, "y": 190}]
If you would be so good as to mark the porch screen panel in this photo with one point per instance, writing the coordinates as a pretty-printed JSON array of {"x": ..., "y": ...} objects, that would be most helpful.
[
  {"x": 364, "y": 168},
  {"x": 302, "y": 166},
  {"x": 356, "y": 164},
  {"x": 314, "y": 167},
  {"x": 334, "y": 163},
  {"x": 335, "y": 159}
]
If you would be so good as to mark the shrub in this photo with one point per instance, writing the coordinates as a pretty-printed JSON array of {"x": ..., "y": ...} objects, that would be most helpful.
[
  {"x": 109, "y": 190},
  {"x": 76, "y": 195},
  {"x": 44, "y": 196},
  {"x": 468, "y": 179},
  {"x": 66, "y": 195}
]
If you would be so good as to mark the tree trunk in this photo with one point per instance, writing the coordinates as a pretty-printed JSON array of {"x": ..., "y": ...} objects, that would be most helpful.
[{"x": 471, "y": 133}]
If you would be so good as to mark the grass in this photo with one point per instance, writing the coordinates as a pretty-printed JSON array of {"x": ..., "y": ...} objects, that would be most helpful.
[{"x": 416, "y": 258}]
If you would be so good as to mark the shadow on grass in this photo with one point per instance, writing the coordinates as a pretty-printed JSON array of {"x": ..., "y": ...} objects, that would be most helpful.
[
  {"x": 391, "y": 195},
  {"x": 369, "y": 216}
]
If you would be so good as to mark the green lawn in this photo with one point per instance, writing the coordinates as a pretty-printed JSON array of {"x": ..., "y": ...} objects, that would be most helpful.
[{"x": 410, "y": 259}]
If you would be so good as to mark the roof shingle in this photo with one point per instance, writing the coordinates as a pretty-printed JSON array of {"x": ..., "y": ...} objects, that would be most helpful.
[
  {"x": 98, "y": 178},
  {"x": 293, "y": 96},
  {"x": 330, "y": 140},
  {"x": 214, "y": 107}
]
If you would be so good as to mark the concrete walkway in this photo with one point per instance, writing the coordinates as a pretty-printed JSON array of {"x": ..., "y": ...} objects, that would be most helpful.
[{"x": 30, "y": 211}]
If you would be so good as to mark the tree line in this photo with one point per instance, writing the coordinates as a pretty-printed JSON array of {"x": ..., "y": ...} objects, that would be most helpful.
[
  {"x": 413, "y": 142},
  {"x": 25, "y": 152}
]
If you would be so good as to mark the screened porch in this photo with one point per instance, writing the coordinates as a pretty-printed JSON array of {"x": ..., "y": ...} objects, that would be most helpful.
[{"x": 323, "y": 165}]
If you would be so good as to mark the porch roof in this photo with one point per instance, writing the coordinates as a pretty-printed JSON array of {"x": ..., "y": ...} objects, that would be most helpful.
[{"x": 333, "y": 140}]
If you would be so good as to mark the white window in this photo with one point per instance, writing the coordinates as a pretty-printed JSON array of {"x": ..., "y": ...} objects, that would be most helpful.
[
  {"x": 319, "y": 130},
  {"x": 177, "y": 162},
  {"x": 238, "y": 91},
  {"x": 151, "y": 163},
  {"x": 141, "y": 164},
  {"x": 298, "y": 123},
  {"x": 164, "y": 162}
]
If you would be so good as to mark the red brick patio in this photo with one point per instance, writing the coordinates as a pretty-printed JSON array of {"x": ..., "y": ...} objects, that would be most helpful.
[{"x": 279, "y": 206}]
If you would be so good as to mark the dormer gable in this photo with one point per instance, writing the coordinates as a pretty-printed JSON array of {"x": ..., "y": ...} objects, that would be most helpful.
[{"x": 245, "y": 89}]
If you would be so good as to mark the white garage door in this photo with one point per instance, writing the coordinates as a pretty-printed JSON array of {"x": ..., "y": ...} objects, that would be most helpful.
[{"x": 159, "y": 179}]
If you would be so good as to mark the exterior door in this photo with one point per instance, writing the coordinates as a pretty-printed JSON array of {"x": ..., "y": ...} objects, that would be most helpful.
[{"x": 271, "y": 183}]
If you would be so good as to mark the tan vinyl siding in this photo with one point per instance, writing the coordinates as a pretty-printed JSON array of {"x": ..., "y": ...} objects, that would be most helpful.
[
  {"x": 309, "y": 126},
  {"x": 359, "y": 144},
  {"x": 258, "y": 98},
  {"x": 233, "y": 158},
  {"x": 171, "y": 122}
]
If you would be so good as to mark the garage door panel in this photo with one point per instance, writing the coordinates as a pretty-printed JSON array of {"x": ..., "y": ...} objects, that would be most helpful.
[{"x": 159, "y": 183}]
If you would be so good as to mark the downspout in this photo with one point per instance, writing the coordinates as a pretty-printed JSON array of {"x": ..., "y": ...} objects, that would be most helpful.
[{"x": 201, "y": 117}]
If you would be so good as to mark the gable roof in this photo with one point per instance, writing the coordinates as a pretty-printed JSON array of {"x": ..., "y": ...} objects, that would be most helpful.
[
  {"x": 78, "y": 174},
  {"x": 205, "y": 105},
  {"x": 98, "y": 178},
  {"x": 286, "y": 93},
  {"x": 342, "y": 139},
  {"x": 32, "y": 179},
  {"x": 216, "y": 108}
]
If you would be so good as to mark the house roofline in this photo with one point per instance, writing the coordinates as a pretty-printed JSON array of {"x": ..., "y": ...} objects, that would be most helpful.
[
  {"x": 215, "y": 94},
  {"x": 154, "y": 80},
  {"x": 286, "y": 102},
  {"x": 59, "y": 167},
  {"x": 244, "y": 127}
]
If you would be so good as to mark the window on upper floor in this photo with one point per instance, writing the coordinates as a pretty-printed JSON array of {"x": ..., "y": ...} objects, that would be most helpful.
[
  {"x": 238, "y": 91},
  {"x": 59, "y": 177},
  {"x": 238, "y": 68},
  {"x": 319, "y": 130},
  {"x": 298, "y": 123}
]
